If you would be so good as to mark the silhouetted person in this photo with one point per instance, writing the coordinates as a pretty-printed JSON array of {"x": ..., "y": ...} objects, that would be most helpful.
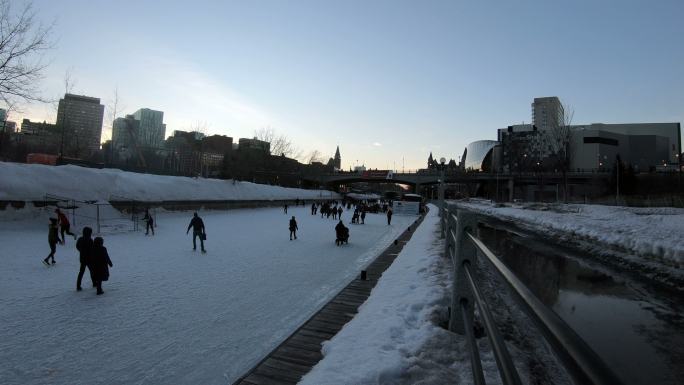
[
  {"x": 149, "y": 222},
  {"x": 341, "y": 233},
  {"x": 389, "y": 216},
  {"x": 313, "y": 208},
  {"x": 84, "y": 245},
  {"x": 197, "y": 231},
  {"x": 53, "y": 238},
  {"x": 293, "y": 228},
  {"x": 285, "y": 208},
  {"x": 363, "y": 217},
  {"x": 64, "y": 224},
  {"x": 100, "y": 263},
  {"x": 339, "y": 212}
]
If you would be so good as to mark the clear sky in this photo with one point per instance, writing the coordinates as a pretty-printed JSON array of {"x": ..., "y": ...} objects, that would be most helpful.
[{"x": 387, "y": 81}]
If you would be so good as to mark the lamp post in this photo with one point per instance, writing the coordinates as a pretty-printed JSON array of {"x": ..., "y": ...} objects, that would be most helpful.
[{"x": 442, "y": 161}]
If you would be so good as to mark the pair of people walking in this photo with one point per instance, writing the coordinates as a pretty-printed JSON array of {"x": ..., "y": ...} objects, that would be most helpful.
[{"x": 94, "y": 257}]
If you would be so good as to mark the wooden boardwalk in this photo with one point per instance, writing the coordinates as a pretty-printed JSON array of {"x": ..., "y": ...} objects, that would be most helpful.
[{"x": 295, "y": 357}]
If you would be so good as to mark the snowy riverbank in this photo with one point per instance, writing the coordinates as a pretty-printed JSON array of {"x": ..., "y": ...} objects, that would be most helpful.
[
  {"x": 652, "y": 233},
  {"x": 26, "y": 182}
]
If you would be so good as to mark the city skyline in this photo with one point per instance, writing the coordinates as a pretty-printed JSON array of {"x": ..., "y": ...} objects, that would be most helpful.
[{"x": 389, "y": 82}]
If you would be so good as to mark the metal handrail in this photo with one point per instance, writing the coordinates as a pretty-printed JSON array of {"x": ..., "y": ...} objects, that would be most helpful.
[
  {"x": 509, "y": 375},
  {"x": 475, "y": 362},
  {"x": 584, "y": 364}
]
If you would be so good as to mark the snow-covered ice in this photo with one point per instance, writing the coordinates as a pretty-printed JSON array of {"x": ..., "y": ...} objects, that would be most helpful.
[{"x": 170, "y": 315}]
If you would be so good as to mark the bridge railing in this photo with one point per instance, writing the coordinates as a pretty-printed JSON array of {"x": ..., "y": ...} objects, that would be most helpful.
[{"x": 464, "y": 248}]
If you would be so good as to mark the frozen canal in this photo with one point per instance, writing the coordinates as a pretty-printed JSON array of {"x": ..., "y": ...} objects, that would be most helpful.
[{"x": 171, "y": 315}]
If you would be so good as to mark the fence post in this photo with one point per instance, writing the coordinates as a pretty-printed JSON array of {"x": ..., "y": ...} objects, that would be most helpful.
[{"x": 464, "y": 250}]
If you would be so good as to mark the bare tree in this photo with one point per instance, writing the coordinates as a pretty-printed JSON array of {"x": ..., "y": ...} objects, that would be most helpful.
[
  {"x": 559, "y": 141},
  {"x": 280, "y": 144},
  {"x": 114, "y": 108},
  {"x": 199, "y": 126},
  {"x": 22, "y": 40},
  {"x": 314, "y": 156}
]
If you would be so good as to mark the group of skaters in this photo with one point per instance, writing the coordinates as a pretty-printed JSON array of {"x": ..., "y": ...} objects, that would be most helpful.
[
  {"x": 93, "y": 255},
  {"x": 335, "y": 209}
]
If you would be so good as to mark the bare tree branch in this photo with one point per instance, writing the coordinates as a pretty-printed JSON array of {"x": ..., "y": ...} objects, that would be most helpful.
[
  {"x": 280, "y": 144},
  {"x": 114, "y": 108},
  {"x": 314, "y": 156},
  {"x": 22, "y": 42}
]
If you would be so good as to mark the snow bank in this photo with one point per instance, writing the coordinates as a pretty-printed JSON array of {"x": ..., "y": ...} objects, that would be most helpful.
[
  {"x": 362, "y": 197},
  {"x": 381, "y": 345},
  {"x": 27, "y": 182},
  {"x": 651, "y": 232}
]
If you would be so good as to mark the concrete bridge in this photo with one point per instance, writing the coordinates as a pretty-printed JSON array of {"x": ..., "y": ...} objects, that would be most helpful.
[
  {"x": 493, "y": 185},
  {"x": 429, "y": 178}
]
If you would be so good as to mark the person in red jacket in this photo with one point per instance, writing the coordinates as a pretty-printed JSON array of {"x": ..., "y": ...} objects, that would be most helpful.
[{"x": 64, "y": 224}]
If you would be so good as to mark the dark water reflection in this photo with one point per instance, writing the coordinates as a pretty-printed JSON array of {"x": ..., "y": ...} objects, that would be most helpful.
[{"x": 638, "y": 332}]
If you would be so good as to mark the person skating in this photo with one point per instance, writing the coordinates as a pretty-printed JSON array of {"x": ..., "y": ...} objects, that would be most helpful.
[
  {"x": 285, "y": 208},
  {"x": 149, "y": 222},
  {"x": 339, "y": 212},
  {"x": 100, "y": 263},
  {"x": 84, "y": 245},
  {"x": 389, "y": 216},
  {"x": 64, "y": 224},
  {"x": 197, "y": 231},
  {"x": 313, "y": 208},
  {"x": 53, "y": 239},
  {"x": 293, "y": 228},
  {"x": 363, "y": 216},
  {"x": 341, "y": 233}
]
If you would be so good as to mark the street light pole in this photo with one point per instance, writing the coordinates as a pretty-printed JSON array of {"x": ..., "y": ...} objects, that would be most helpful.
[{"x": 441, "y": 193}]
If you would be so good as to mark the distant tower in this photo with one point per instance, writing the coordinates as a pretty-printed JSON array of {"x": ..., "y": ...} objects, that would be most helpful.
[
  {"x": 338, "y": 161},
  {"x": 80, "y": 120},
  {"x": 431, "y": 161},
  {"x": 547, "y": 113}
]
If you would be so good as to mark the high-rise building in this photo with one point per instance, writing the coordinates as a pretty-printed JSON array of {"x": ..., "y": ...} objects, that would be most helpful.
[
  {"x": 547, "y": 113},
  {"x": 80, "y": 120},
  {"x": 151, "y": 128},
  {"x": 254, "y": 144}
]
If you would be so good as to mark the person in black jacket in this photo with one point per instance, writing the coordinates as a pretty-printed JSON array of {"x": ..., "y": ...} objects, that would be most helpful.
[
  {"x": 84, "y": 245},
  {"x": 53, "y": 239},
  {"x": 197, "y": 231},
  {"x": 341, "y": 233},
  {"x": 293, "y": 228},
  {"x": 100, "y": 263},
  {"x": 149, "y": 222}
]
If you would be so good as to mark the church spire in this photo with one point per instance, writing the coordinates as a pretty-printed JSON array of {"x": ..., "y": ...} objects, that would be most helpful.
[{"x": 338, "y": 159}]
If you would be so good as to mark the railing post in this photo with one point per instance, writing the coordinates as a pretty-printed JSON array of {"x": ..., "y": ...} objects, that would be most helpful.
[{"x": 464, "y": 250}]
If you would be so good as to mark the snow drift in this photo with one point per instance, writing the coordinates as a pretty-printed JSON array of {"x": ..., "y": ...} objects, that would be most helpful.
[{"x": 25, "y": 182}]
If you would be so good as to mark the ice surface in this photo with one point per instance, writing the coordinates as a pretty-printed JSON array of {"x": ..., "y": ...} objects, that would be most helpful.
[{"x": 170, "y": 315}]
